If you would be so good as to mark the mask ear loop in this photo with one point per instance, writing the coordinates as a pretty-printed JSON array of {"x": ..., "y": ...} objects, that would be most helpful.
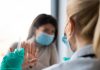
[
  {"x": 65, "y": 38},
  {"x": 65, "y": 33}
]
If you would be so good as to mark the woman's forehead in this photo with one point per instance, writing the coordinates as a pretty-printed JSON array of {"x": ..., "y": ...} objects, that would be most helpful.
[{"x": 48, "y": 26}]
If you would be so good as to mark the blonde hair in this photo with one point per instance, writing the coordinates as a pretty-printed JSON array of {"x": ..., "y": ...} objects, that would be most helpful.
[{"x": 87, "y": 17}]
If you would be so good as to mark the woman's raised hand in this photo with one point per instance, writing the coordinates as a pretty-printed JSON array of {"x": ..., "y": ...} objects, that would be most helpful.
[{"x": 31, "y": 53}]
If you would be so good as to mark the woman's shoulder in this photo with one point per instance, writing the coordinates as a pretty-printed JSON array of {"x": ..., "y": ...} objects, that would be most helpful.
[{"x": 53, "y": 47}]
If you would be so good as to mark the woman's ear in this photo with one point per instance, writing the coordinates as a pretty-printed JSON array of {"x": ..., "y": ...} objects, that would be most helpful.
[{"x": 70, "y": 28}]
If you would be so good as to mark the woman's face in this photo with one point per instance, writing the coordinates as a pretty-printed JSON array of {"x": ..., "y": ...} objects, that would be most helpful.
[
  {"x": 47, "y": 28},
  {"x": 45, "y": 34}
]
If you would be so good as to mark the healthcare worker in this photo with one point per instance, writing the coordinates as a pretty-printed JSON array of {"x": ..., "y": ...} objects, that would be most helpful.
[
  {"x": 84, "y": 25},
  {"x": 41, "y": 41}
]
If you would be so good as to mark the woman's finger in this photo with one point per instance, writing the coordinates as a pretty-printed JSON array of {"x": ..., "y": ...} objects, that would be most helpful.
[
  {"x": 27, "y": 46},
  {"x": 33, "y": 60},
  {"x": 36, "y": 53},
  {"x": 25, "y": 64},
  {"x": 33, "y": 48},
  {"x": 30, "y": 48},
  {"x": 23, "y": 44},
  {"x": 32, "y": 45}
]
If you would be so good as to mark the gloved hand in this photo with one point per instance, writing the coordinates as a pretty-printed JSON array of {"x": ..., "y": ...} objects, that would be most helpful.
[
  {"x": 66, "y": 58},
  {"x": 13, "y": 60}
]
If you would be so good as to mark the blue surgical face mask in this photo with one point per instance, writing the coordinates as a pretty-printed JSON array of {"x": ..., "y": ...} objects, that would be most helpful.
[
  {"x": 44, "y": 39},
  {"x": 65, "y": 41}
]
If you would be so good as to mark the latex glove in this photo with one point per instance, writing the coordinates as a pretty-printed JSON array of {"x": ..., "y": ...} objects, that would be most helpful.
[
  {"x": 13, "y": 60},
  {"x": 66, "y": 58}
]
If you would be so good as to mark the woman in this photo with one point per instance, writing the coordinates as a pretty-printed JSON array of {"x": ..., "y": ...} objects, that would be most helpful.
[
  {"x": 84, "y": 26},
  {"x": 40, "y": 45}
]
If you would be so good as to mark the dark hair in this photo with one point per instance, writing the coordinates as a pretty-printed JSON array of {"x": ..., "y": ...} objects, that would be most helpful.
[{"x": 40, "y": 20}]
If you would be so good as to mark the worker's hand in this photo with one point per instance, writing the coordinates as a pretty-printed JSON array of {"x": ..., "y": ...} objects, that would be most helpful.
[
  {"x": 31, "y": 53},
  {"x": 13, "y": 60}
]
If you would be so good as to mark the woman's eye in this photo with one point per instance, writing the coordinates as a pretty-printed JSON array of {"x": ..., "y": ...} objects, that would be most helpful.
[
  {"x": 49, "y": 31},
  {"x": 53, "y": 32},
  {"x": 46, "y": 30}
]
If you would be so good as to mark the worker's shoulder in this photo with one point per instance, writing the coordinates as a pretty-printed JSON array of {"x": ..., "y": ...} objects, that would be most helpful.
[{"x": 77, "y": 64}]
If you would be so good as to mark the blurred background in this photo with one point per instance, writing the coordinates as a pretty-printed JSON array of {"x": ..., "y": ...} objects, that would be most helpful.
[{"x": 16, "y": 17}]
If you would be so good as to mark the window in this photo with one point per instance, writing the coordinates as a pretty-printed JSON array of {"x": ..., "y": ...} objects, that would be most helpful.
[
  {"x": 67, "y": 53},
  {"x": 16, "y": 17}
]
